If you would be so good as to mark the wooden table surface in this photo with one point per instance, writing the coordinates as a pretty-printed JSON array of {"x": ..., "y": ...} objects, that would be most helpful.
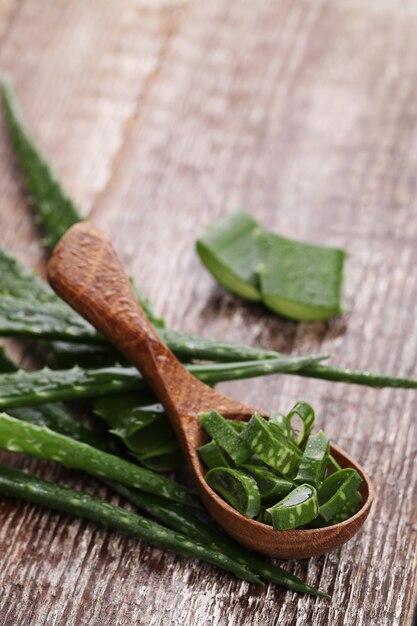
[{"x": 160, "y": 115}]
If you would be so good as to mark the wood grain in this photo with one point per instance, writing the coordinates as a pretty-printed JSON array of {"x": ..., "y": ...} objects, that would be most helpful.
[{"x": 159, "y": 116}]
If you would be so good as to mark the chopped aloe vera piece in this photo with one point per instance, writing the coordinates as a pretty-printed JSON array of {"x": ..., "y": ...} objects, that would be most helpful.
[
  {"x": 303, "y": 426},
  {"x": 282, "y": 422},
  {"x": 237, "y": 488},
  {"x": 299, "y": 280},
  {"x": 314, "y": 461},
  {"x": 238, "y": 425},
  {"x": 213, "y": 455},
  {"x": 278, "y": 433},
  {"x": 269, "y": 484},
  {"x": 225, "y": 436},
  {"x": 351, "y": 507},
  {"x": 273, "y": 451},
  {"x": 336, "y": 491},
  {"x": 229, "y": 251},
  {"x": 297, "y": 509}
]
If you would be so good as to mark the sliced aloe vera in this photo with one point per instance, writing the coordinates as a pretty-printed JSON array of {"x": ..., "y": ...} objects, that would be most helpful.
[
  {"x": 336, "y": 491},
  {"x": 299, "y": 280},
  {"x": 237, "y": 425},
  {"x": 314, "y": 461},
  {"x": 348, "y": 510},
  {"x": 301, "y": 418},
  {"x": 213, "y": 455},
  {"x": 229, "y": 251},
  {"x": 275, "y": 452},
  {"x": 270, "y": 486},
  {"x": 297, "y": 509},
  {"x": 237, "y": 488},
  {"x": 282, "y": 422},
  {"x": 225, "y": 435}
]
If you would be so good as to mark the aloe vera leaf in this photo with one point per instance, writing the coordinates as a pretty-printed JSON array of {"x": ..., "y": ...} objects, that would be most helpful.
[
  {"x": 140, "y": 421},
  {"x": 183, "y": 344},
  {"x": 237, "y": 488},
  {"x": 228, "y": 250},
  {"x": 299, "y": 280},
  {"x": 18, "y": 281},
  {"x": 55, "y": 416},
  {"x": 297, "y": 509},
  {"x": 44, "y": 443},
  {"x": 55, "y": 209},
  {"x": 25, "y": 388},
  {"x": 23, "y": 486},
  {"x": 49, "y": 320}
]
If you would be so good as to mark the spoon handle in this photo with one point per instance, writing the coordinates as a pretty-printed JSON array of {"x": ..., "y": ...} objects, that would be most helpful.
[{"x": 86, "y": 272}]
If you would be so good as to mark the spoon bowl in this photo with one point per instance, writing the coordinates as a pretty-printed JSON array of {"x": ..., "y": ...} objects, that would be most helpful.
[{"x": 86, "y": 272}]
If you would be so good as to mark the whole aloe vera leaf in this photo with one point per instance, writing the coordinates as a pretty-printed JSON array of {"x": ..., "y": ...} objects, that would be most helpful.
[
  {"x": 18, "y": 281},
  {"x": 55, "y": 416},
  {"x": 25, "y": 388},
  {"x": 43, "y": 443},
  {"x": 23, "y": 486},
  {"x": 55, "y": 209}
]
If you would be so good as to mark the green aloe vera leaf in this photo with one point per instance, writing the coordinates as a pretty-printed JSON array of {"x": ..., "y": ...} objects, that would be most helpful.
[
  {"x": 276, "y": 453},
  {"x": 18, "y": 281},
  {"x": 299, "y": 280},
  {"x": 55, "y": 210},
  {"x": 55, "y": 416},
  {"x": 167, "y": 462},
  {"x": 301, "y": 418},
  {"x": 283, "y": 423},
  {"x": 64, "y": 355},
  {"x": 269, "y": 484},
  {"x": 212, "y": 455},
  {"x": 23, "y": 486},
  {"x": 225, "y": 435},
  {"x": 183, "y": 520},
  {"x": 314, "y": 460},
  {"x": 336, "y": 491},
  {"x": 297, "y": 509},
  {"x": 237, "y": 488},
  {"x": 51, "y": 320},
  {"x": 25, "y": 388},
  {"x": 228, "y": 250},
  {"x": 43, "y": 443}
]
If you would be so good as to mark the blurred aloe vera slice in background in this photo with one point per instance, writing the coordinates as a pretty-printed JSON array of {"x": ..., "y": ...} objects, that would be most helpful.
[
  {"x": 299, "y": 280},
  {"x": 229, "y": 251}
]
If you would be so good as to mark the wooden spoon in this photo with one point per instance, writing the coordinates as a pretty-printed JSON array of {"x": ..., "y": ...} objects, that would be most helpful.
[{"x": 86, "y": 272}]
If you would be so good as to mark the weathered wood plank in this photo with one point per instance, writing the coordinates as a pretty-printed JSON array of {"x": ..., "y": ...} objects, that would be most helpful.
[{"x": 159, "y": 117}]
